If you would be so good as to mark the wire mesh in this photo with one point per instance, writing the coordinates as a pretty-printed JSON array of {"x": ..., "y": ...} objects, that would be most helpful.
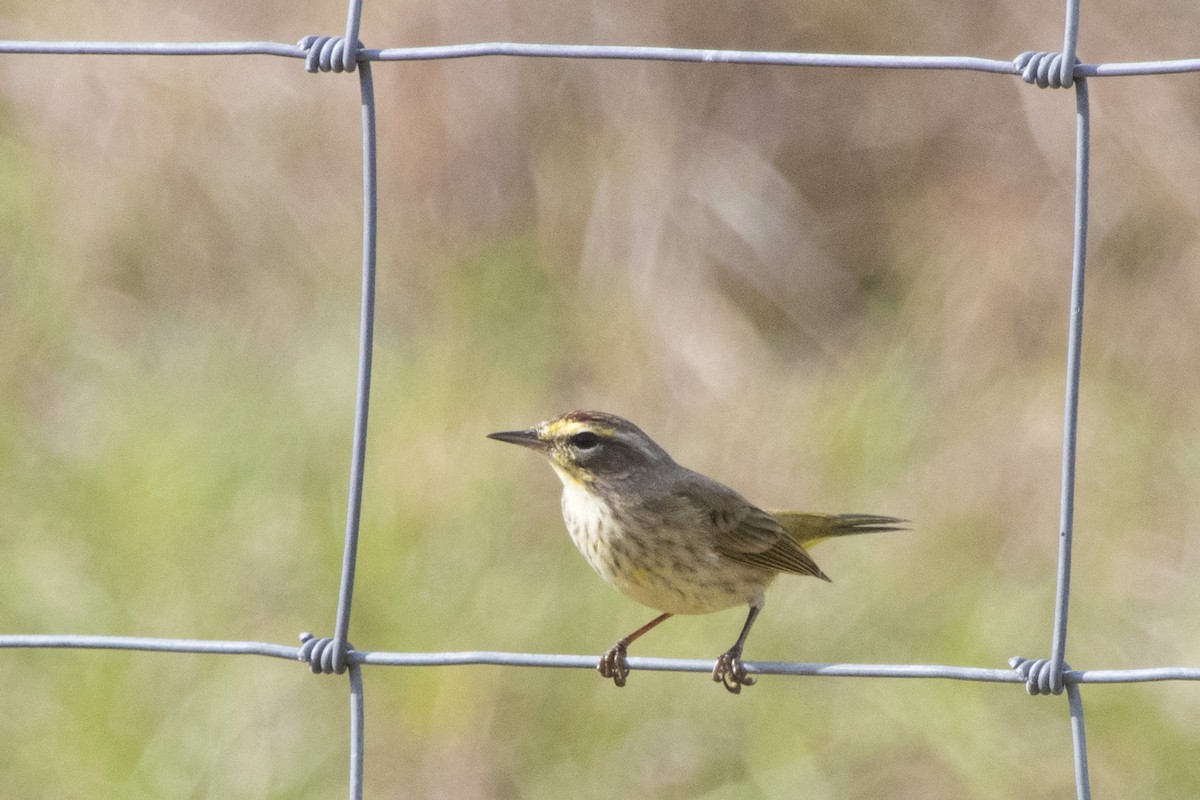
[{"x": 336, "y": 655}]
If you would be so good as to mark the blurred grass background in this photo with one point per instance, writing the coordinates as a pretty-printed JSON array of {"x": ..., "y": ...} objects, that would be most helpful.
[{"x": 834, "y": 290}]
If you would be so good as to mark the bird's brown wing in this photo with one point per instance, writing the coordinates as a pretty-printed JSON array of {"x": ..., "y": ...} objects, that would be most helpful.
[{"x": 743, "y": 532}]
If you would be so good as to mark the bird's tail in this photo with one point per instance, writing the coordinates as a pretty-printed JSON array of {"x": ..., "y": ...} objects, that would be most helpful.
[{"x": 809, "y": 529}]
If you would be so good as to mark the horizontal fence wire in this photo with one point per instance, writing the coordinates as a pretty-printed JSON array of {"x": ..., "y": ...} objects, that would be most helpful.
[
  {"x": 602, "y": 52},
  {"x": 336, "y": 655},
  {"x": 470, "y": 658}
]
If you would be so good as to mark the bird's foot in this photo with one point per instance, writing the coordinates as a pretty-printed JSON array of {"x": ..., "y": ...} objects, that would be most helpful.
[
  {"x": 731, "y": 672},
  {"x": 613, "y": 664}
]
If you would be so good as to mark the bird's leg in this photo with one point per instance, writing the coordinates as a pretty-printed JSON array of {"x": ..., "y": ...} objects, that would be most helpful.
[
  {"x": 729, "y": 669},
  {"x": 613, "y": 664}
]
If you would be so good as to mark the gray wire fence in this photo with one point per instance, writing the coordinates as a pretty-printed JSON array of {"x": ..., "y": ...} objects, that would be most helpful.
[{"x": 335, "y": 655}]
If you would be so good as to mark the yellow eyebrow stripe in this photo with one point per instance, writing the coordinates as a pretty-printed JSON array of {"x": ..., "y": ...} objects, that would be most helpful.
[{"x": 570, "y": 427}]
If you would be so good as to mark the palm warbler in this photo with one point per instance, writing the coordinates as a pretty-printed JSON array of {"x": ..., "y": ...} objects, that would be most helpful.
[{"x": 670, "y": 538}]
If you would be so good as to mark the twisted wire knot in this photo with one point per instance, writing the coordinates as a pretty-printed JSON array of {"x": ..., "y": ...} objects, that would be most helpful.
[
  {"x": 319, "y": 653},
  {"x": 327, "y": 53},
  {"x": 1045, "y": 69},
  {"x": 1037, "y": 674}
]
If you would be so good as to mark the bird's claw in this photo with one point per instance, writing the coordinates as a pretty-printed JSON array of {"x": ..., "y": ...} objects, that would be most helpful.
[
  {"x": 731, "y": 672},
  {"x": 613, "y": 664}
]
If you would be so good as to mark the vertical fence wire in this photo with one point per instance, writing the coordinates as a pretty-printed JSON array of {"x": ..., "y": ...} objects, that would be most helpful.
[
  {"x": 1070, "y": 44},
  {"x": 357, "y": 731},
  {"x": 370, "y": 226},
  {"x": 1070, "y": 428},
  {"x": 353, "y": 22},
  {"x": 1083, "y": 783},
  {"x": 366, "y": 346}
]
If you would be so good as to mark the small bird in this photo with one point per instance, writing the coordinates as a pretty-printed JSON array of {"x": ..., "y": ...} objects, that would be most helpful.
[{"x": 670, "y": 538}]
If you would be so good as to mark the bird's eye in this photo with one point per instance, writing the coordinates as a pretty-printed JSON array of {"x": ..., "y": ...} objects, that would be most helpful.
[{"x": 585, "y": 440}]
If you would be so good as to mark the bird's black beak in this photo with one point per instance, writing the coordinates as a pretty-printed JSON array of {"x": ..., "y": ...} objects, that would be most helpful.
[{"x": 528, "y": 438}]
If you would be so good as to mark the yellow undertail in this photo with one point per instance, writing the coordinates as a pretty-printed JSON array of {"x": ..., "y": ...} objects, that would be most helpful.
[{"x": 810, "y": 529}]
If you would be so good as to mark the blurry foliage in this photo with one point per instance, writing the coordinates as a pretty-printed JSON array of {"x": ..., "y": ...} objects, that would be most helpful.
[{"x": 836, "y": 290}]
